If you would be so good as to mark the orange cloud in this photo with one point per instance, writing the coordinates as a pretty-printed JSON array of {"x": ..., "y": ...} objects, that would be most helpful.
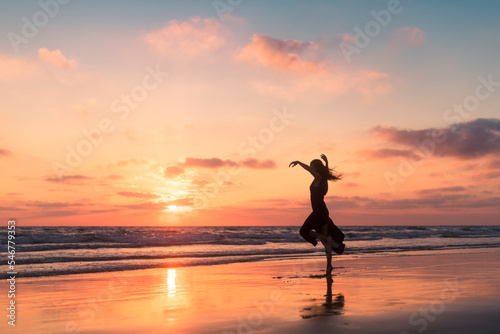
[
  {"x": 281, "y": 55},
  {"x": 56, "y": 58},
  {"x": 410, "y": 36},
  {"x": 190, "y": 38}
]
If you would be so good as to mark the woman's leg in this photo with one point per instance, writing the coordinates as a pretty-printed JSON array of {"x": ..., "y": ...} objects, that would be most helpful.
[
  {"x": 326, "y": 237},
  {"x": 306, "y": 230},
  {"x": 329, "y": 266}
]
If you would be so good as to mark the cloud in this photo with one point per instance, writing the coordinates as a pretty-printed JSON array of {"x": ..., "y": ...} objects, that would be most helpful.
[
  {"x": 348, "y": 38},
  {"x": 218, "y": 163},
  {"x": 384, "y": 153},
  {"x": 16, "y": 67},
  {"x": 349, "y": 184},
  {"x": 256, "y": 164},
  {"x": 191, "y": 38},
  {"x": 9, "y": 208},
  {"x": 137, "y": 194},
  {"x": 5, "y": 153},
  {"x": 155, "y": 206},
  {"x": 305, "y": 70},
  {"x": 409, "y": 37},
  {"x": 67, "y": 178},
  {"x": 173, "y": 171},
  {"x": 56, "y": 58},
  {"x": 434, "y": 191},
  {"x": 467, "y": 140},
  {"x": 208, "y": 163},
  {"x": 280, "y": 55},
  {"x": 51, "y": 205},
  {"x": 490, "y": 175},
  {"x": 495, "y": 164}
]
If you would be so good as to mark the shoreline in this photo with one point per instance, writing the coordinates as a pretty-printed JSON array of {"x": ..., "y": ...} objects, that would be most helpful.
[
  {"x": 375, "y": 294},
  {"x": 299, "y": 256}
]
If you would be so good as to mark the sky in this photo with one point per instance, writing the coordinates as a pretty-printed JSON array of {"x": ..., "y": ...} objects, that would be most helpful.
[{"x": 159, "y": 113}]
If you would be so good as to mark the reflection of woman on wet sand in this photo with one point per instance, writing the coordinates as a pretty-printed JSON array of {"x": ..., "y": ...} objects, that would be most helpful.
[
  {"x": 319, "y": 220},
  {"x": 330, "y": 307}
]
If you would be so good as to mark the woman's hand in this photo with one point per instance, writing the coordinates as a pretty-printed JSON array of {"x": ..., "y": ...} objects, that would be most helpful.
[
  {"x": 293, "y": 163},
  {"x": 324, "y": 158}
]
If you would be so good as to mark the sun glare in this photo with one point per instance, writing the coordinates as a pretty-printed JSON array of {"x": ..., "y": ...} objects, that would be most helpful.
[{"x": 172, "y": 207}]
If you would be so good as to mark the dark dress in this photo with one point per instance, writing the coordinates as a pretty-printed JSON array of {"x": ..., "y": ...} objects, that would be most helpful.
[{"x": 320, "y": 215}]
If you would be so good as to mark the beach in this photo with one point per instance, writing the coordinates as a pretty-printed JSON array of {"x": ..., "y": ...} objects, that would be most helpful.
[{"x": 404, "y": 293}]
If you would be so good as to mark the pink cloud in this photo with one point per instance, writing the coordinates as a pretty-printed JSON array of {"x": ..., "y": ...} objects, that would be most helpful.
[
  {"x": 348, "y": 38},
  {"x": 280, "y": 55},
  {"x": 410, "y": 36},
  {"x": 173, "y": 171},
  {"x": 306, "y": 70},
  {"x": 375, "y": 83},
  {"x": 218, "y": 163},
  {"x": 256, "y": 164},
  {"x": 137, "y": 194},
  {"x": 56, "y": 58},
  {"x": 16, "y": 67},
  {"x": 190, "y": 38},
  {"x": 5, "y": 153},
  {"x": 68, "y": 178},
  {"x": 208, "y": 163}
]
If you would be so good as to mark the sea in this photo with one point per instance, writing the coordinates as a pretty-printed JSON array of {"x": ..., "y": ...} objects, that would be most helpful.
[{"x": 49, "y": 251}]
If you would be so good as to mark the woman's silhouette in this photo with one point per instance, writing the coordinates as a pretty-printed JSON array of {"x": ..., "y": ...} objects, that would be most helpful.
[{"x": 319, "y": 220}]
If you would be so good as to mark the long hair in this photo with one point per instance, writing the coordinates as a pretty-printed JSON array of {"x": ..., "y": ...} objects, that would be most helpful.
[{"x": 328, "y": 174}]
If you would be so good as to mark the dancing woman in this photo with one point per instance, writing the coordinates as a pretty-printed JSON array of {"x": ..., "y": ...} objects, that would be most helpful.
[{"x": 319, "y": 220}]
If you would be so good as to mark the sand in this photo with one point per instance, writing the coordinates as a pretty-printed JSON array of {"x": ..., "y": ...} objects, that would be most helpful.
[{"x": 450, "y": 293}]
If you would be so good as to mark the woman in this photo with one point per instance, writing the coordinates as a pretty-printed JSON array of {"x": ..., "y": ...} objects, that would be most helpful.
[{"x": 319, "y": 220}]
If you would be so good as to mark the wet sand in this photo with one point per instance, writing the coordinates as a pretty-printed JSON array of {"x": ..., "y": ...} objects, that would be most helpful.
[{"x": 452, "y": 293}]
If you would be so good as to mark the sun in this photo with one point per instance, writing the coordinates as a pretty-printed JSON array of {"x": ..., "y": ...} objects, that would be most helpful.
[{"x": 172, "y": 207}]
